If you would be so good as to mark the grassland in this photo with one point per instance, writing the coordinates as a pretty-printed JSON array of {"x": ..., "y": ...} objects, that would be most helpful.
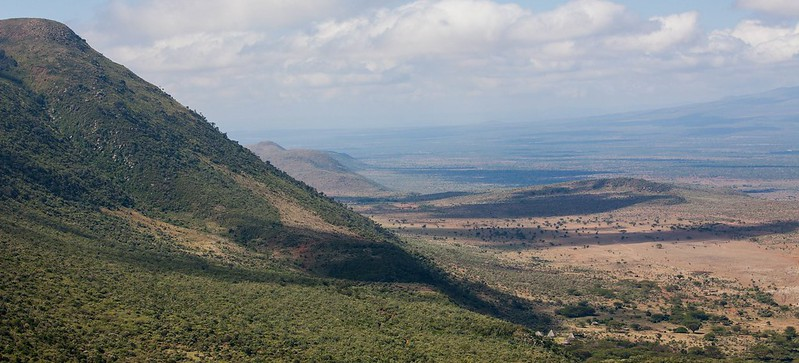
[{"x": 689, "y": 268}]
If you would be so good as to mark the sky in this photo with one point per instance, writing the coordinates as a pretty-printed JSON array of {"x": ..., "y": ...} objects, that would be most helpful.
[{"x": 253, "y": 65}]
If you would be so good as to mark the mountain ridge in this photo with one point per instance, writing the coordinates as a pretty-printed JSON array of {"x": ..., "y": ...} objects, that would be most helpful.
[{"x": 323, "y": 170}]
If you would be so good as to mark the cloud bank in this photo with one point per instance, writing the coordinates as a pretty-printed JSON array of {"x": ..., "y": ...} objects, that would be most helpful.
[
  {"x": 784, "y": 8},
  {"x": 339, "y": 63}
]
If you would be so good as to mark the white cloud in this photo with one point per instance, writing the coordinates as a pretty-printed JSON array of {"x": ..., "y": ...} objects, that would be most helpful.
[
  {"x": 193, "y": 51},
  {"x": 573, "y": 20},
  {"x": 277, "y": 54},
  {"x": 776, "y": 7},
  {"x": 421, "y": 28},
  {"x": 458, "y": 27},
  {"x": 155, "y": 18},
  {"x": 758, "y": 42},
  {"x": 671, "y": 31},
  {"x": 753, "y": 33}
]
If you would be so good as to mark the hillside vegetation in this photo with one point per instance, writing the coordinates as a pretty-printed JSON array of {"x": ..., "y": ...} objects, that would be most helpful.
[{"x": 132, "y": 229}]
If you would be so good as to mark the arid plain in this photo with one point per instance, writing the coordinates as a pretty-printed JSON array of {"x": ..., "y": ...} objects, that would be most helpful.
[{"x": 647, "y": 258}]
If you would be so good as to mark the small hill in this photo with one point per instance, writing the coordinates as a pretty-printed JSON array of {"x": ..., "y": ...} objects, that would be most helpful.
[
  {"x": 131, "y": 229},
  {"x": 328, "y": 172},
  {"x": 571, "y": 198},
  {"x": 348, "y": 161},
  {"x": 621, "y": 184}
]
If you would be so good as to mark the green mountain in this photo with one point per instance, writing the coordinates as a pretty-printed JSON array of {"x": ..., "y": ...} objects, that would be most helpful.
[
  {"x": 325, "y": 171},
  {"x": 132, "y": 229},
  {"x": 163, "y": 159}
]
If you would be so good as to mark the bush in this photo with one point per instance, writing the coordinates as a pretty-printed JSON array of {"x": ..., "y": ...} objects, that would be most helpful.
[
  {"x": 693, "y": 325},
  {"x": 765, "y": 298},
  {"x": 581, "y": 309},
  {"x": 656, "y": 318}
]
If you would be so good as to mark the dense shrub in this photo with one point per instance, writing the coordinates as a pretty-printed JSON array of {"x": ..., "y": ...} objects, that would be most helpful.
[{"x": 578, "y": 310}]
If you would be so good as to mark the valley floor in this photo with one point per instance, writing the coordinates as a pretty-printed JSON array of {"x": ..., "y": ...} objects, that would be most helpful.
[{"x": 690, "y": 267}]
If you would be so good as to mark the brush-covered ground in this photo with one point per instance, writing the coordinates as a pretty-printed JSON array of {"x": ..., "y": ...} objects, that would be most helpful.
[
  {"x": 624, "y": 262},
  {"x": 131, "y": 229},
  {"x": 85, "y": 285}
]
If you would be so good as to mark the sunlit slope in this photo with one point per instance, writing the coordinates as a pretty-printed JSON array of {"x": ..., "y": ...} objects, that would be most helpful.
[
  {"x": 132, "y": 229},
  {"x": 165, "y": 159}
]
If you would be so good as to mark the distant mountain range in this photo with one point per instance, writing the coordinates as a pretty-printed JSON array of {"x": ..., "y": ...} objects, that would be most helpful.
[
  {"x": 752, "y": 137},
  {"x": 329, "y": 172},
  {"x": 777, "y": 103}
]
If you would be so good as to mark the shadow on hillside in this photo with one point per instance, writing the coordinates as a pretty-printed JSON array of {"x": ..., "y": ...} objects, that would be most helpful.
[
  {"x": 368, "y": 261},
  {"x": 330, "y": 256},
  {"x": 360, "y": 260},
  {"x": 552, "y": 206},
  {"x": 704, "y": 232},
  {"x": 483, "y": 299},
  {"x": 132, "y": 252},
  {"x": 511, "y": 238}
]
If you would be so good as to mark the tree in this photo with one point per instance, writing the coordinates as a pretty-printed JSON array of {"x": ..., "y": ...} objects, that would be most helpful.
[
  {"x": 789, "y": 333},
  {"x": 693, "y": 325}
]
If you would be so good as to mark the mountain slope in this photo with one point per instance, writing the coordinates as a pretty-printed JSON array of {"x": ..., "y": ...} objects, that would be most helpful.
[
  {"x": 131, "y": 229},
  {"x": 167, "y": 160},
  {"x": 322, "y": 170}
]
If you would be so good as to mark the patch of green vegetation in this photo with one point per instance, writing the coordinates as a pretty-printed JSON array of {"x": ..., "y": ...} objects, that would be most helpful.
[
  {"x": 692, "y": 317},
  {"x": 598, "y": 290},
  {"x": 764, "y": 297},
  {"x": 110, "y": 293},
  {"x": 777, "y": 347},
  {"x": 614, "y": 350},
  {"x": 578, "y": 310}
]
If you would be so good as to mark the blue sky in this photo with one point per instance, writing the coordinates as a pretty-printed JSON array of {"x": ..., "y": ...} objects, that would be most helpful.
[
  {"x": 63, "y": 11},
  {"x": 271, "y": 64}
]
